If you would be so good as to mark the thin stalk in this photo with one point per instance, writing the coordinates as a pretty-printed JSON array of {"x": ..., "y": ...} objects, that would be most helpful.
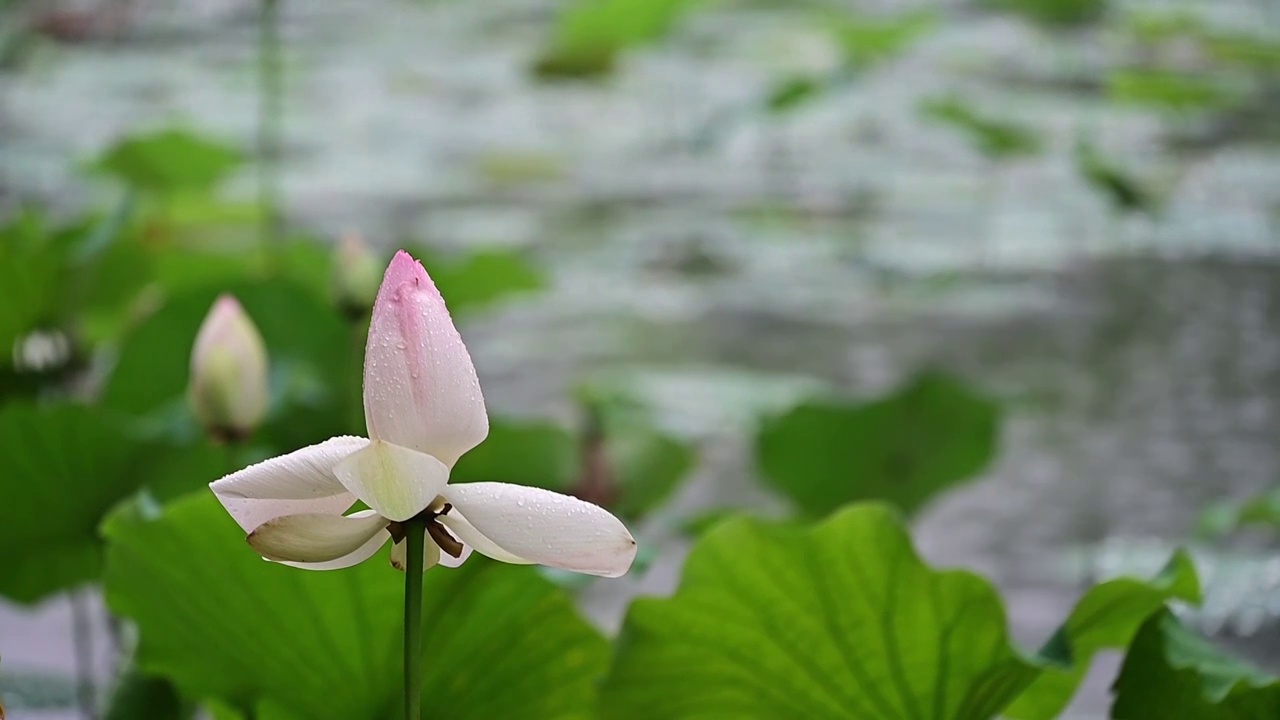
[
  {"x": 415, "y": 540},
  {"x": 355, "y": 393},
  {"x": 82, "y": 639},
  {"x": 270, "y": 112}
]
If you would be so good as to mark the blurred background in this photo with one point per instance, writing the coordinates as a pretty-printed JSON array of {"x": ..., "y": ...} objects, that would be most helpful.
[{"x": 1043, "y": 233}]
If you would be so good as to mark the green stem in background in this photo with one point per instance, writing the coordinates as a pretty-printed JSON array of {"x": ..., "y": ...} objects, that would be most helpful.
[
  {"x": 355, "y": 392},
  {"x": 415, "y": 541},
  {"x": 82, "y": 638},
  {"x": 270, "y": 112}
]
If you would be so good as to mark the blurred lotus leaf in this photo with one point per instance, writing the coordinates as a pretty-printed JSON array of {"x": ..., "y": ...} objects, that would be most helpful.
[
  {"x": 842, "y": 619},
  {"x": 1125, "y": 192},
  {"x": 482, "y": 277},
  {"x": 1055, "y": 12},
  {"x": 905, "y": 448},
  {"x": 169, "y": 161},
  {"x": 589, "y": 34},
  {"x": 794, "y": 91},
  {"x": 1106, "y": 618},
  {"x": 310, "y": 349},
  {"x": 1171, "y": 91},
  {"x": 62, "y": 468},
  {"x": 994, "y": 138},
  {"x": 1252, "y": 52},
  {"x": 868, "y": 40},
  {"x": 621, "y": 461},
  {"x": 1227, "y": 517},
  {"x": 500, "y": 641},
  {"x": 142, "y": 697},
  {"x": 1173, "y": 674},
  {"x": 74, "y": 281}
]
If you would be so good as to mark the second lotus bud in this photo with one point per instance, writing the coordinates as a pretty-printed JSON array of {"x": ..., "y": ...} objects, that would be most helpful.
[{"x": 228, "y": 385}]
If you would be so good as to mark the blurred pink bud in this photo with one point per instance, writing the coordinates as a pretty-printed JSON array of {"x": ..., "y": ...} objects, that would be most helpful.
[{"x": 228, "y": 385}]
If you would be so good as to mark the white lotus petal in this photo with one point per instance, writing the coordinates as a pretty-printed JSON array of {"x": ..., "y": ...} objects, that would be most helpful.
[
  {"x": 447, "y": 560},
  {"x": 420, "y": 387},
  {"x": 395, "y": 481},
  {"x": 473, "y": 538},
  {"x": 315, "y": 538},
  {"x": 540, "y": 526},
  {"x": 297, "y": 483},
  {"x": 364, "y": 552}
]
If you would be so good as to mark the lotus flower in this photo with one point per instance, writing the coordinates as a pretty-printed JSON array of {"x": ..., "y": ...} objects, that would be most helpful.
[{"x": 423, "y": 410}]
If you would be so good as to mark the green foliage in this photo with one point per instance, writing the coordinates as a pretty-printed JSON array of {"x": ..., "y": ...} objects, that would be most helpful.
[
  {"x": 1055, "y": 12},
  {"x": 621, "y": 461},
  {"x": 905, "y": 448},
  {"x": 793, "y": 91},
  {"x": 1171, "y": 91},
  {"x": 992, "y": 137},
  {"x": 482, "y": 278},
  {"x": 866, "y": 40},
  {"x": 537, "y": 453},
  {"x": 139, "y": 697},
  {"x": 62, "y": 468},
  {"x": 1171, "y": 673},
  {"x": 1227, "y": 517},
  {"x": 499, "y": 642},
  {"x": 841, "y": 620},
  {"x": 169, "y": 161},
  {"x": 64, "y": 277},
  {"x": 306, "y": 339},
  {"x": 1125, "y": 192},
  {"x": 1244, "y": 50},
  {"x": 590, "y": 34},
  {"x": 1107, "y": 617}
]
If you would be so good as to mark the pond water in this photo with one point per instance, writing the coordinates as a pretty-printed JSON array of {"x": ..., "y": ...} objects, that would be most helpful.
[{"x": 725, "y": 261}]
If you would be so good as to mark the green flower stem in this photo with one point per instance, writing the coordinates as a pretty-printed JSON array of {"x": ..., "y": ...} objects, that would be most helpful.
[
  {"x": 415, "y": 539},
  {"x": 270, "y": 110}
]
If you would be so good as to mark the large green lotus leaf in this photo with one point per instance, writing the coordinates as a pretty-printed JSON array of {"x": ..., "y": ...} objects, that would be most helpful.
[
  {"x": 838, "y": 621},
  {"x": 1107, "y": 617},
  {"x": 842, "y": 620},
  {"x": 221, "y": 623},
  {"x": 906, "y": 448},
  {"x": 168, "y": 161},
  {"x": 1171, "y": 673},
  {"x": 61, "y": 469},
  {"x": 309, "y": 346}
]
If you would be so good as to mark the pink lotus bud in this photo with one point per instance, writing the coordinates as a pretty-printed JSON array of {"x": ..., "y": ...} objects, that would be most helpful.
[
  {"x": 356, "y": 276},
  {"x": 228, "y": 386}
]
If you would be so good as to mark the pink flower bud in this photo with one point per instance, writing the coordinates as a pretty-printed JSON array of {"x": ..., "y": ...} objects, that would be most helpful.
[{"x": 228, "y": 386}]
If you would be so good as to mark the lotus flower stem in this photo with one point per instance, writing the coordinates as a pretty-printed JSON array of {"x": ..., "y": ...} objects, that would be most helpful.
[
  {"x": 415, "y": 540},
  {"x": 270, "y": 110}
]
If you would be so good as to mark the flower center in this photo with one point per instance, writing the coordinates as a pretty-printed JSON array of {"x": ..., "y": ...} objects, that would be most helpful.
[{"x": 436, "y": 531}]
